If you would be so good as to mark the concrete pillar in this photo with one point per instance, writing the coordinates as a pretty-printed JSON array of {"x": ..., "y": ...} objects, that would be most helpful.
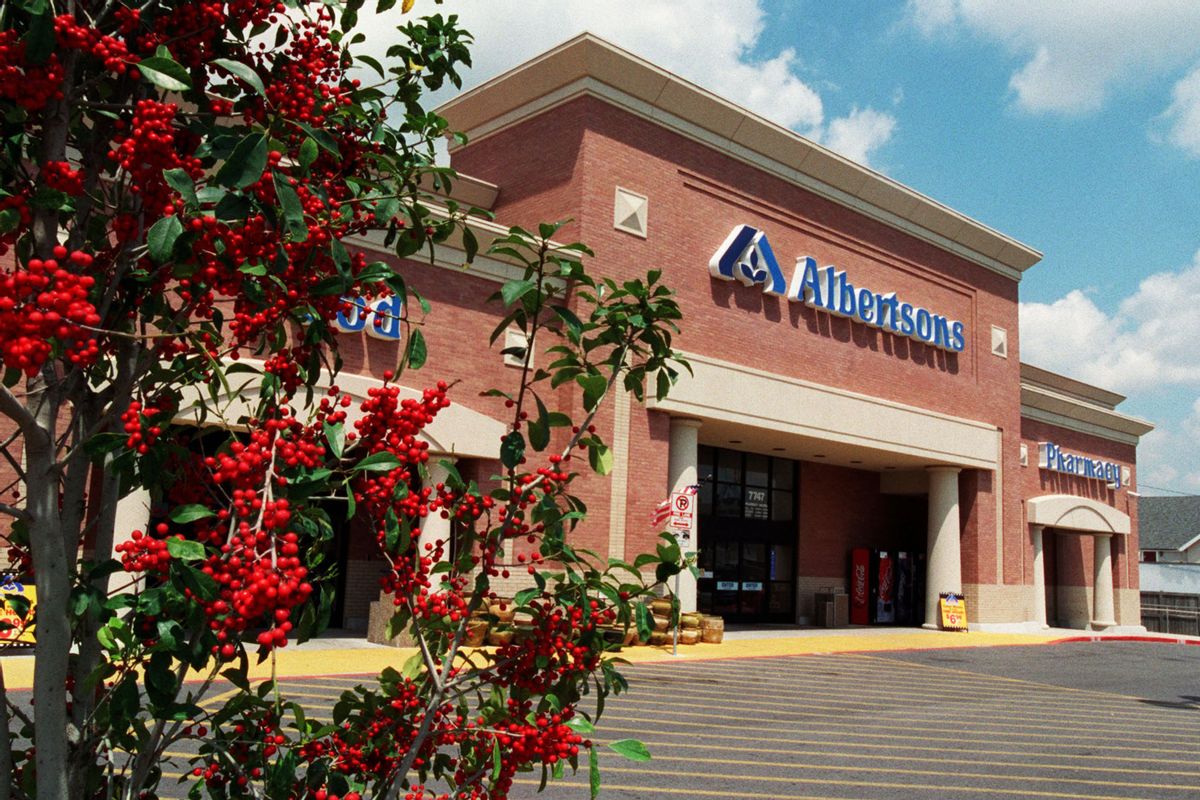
[
  {"x": 682, "y": 471},
  {"x": 1039, "y": 576},
  {"x": 1103, "y": 611},
  {"x": 436, "y": 528},
  {"x": 943, "y": 572}
]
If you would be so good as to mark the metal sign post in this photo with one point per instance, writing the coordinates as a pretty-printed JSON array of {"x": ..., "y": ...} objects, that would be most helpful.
[{"x": 683, "y": 520}]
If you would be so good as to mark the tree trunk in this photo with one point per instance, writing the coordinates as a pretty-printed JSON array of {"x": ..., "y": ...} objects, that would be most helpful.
[{"x": 52, "y": 569}]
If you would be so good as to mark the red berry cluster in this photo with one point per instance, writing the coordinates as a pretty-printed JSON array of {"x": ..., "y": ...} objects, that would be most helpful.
[
  {"x": 146, "y": 147},
  {"x": 142, "y": 553},
  {"x": 144, "y": 424},
  {"x": 45, "y": 303},
  {"x": 112, "y": 52},
  {"x": 30, "y": 86},
  {"x": 309, "y": 86},
  {"x": 59, "y": 175}
]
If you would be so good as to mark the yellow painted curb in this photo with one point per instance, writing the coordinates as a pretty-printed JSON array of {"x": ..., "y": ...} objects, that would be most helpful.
[{"x": 18, "y": 670}]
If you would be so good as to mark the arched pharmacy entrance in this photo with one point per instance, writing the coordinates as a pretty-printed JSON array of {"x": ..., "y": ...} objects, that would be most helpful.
[{"x": 1052, "y": 518}]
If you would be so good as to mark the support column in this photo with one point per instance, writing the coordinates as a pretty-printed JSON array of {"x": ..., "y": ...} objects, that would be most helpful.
[
  {"x": 1103, "y": 611},
  {"x": 682, "y": 471},
  {"x": 1039, "y": 576},
  {"x": 943, "y": 571},
  {"x": 436, "y": 527}
]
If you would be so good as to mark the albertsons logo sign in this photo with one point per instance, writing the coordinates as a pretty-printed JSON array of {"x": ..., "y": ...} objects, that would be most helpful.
[
  {"x": 379, "y": 318},
  {"x": 746, "y": 256}
]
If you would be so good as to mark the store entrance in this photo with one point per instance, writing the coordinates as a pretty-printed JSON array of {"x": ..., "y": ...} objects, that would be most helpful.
[{"x": 747, "y": 522}]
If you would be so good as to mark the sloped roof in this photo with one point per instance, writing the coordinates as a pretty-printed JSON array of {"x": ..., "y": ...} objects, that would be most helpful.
[{"x": 1168, "y": 523}]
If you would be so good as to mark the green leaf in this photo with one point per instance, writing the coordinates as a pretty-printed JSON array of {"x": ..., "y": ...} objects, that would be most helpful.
[
  {"x": 515, "y": 290},
  {"x": 191, "y": 513},
  {"x": 243, "y": 71},
  {"x": 165, "y": 73},
  {"x": 418, "y": 351},
  {"x": 539, "y": 429},
  {"x": 308, "y": 154},
  {"x": 160, "y": 239},
  {"x": 413, "y": 667},
  {"x": 39, "y": 39},
  {"x": 377, "y": 462},
  {"x": 594, "y": 772},
  {"x": 293, "y": 211},
  {"x": 321, "y": 137},
  {"x": 246, "y": 163},
  {"x": 512, "y": 449},
  {"x": 185, "y": 549},
  {"x": 593, "y": 389},
  {"x": 601, "y": 458},
  {"x": 335, "y": 435},
  {"x": 496, "y": 759},
  {"x": 631, "y": 749},
  {"x": 181, "y": 182},
  {"x": 581, "y": 725}
]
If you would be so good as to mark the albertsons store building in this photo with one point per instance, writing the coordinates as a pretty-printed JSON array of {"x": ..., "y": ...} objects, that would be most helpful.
[{"x": 859, "y": 420}]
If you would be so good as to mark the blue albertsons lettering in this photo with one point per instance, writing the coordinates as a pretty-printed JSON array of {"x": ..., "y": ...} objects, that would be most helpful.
[
  {"x": 747, "y": 257},
  {"x": 380, "y": 318},
  {"x": 1053, "y": 457}
]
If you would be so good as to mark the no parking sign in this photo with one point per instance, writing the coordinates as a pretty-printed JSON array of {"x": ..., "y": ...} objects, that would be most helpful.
[{"x": 683, "y": 513}]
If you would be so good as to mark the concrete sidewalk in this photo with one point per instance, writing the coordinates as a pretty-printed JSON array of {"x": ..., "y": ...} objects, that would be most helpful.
[{"x": 341, "y": 654}]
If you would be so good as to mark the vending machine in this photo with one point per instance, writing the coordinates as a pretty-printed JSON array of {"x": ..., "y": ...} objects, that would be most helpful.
[
  {"x": 860, "y": 586},
  {"x": 884, "y": 585},
  {"x": 904, "y": 588}
]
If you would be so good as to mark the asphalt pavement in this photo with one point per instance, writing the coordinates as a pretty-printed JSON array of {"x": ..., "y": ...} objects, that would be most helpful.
[{"x": 1104, "y": 719}]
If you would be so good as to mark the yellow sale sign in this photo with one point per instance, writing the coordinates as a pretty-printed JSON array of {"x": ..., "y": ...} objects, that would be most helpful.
[
  {"x": 954, "y": 612},
  {"x": 12, "y": 622}
]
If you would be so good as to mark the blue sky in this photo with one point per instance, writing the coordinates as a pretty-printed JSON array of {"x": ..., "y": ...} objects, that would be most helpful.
[{"x": 1072, "y": 126}]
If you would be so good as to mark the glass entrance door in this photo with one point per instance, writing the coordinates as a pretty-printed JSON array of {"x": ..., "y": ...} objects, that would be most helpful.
[{"x": 747, "y": 520}]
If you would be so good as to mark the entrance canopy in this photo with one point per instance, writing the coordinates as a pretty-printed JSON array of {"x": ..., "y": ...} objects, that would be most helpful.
[
  {"x": 1076, "y": 513},
  {"x": 766, "y": 411}
]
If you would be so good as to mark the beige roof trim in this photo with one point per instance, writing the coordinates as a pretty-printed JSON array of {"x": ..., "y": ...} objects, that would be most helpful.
[
  {"x": 588, "y": 65},
  {"x": 1068, "y": 411},
  {"x": 1061, "y": 384}
]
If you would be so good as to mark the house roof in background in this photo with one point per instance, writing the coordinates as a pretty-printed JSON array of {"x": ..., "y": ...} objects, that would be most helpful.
[{"x": 1168, "y": 523}]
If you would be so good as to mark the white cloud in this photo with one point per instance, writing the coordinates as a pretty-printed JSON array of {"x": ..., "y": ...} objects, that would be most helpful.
[
  {"x": 1149, "y": 342},
  {"x": 1074, "y": 53},
  {"x": 1183, "y": 115},
  {"x": 1164, "y": 459},
  {"x": 1148, "y": 349},
  {"x": 860, "y": 132},
  {"x": 713, "y": 43}
]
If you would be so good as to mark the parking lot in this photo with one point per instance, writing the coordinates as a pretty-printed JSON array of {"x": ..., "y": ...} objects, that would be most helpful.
[{"x": 1087, "y": 720}]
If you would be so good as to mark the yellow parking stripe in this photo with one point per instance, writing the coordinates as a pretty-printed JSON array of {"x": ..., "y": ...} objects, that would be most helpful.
[
  {"x": 897, "y": 734},
  {"x": 856, "y": 755}
]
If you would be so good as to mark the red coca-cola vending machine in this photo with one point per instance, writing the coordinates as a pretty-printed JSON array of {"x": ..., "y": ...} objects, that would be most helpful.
[
  {"x": 883, "y": 595},
  {"x": 860, "y": 586}
]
